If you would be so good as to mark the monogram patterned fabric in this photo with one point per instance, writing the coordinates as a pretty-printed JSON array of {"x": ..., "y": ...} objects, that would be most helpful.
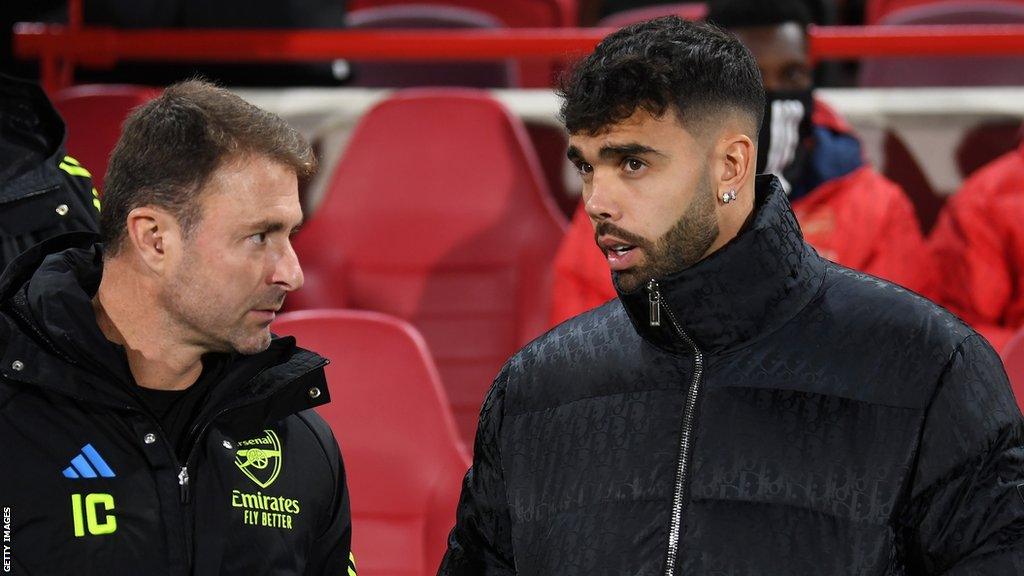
[{"x": 843, "y": 426}]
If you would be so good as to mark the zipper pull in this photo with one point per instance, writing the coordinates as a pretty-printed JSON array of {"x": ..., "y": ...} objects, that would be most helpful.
[
  {"x": 183, "y": 482},
  {"x": 654, "y": 298}
]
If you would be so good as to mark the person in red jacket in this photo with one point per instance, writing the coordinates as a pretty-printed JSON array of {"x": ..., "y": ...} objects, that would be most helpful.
[
  {"x": 849, "y": 212},
  {"x": 978, "y": 243}
]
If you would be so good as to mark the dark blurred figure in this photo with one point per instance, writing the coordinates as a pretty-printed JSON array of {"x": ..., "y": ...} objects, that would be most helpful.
[
  {"x": 43, "y": 191},
  {"x": 849, "y": 212},
  {"x": 269, "y": 14}
]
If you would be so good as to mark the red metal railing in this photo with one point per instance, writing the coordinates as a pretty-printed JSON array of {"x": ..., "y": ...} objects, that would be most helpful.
[{"x": 60, "y": 48}]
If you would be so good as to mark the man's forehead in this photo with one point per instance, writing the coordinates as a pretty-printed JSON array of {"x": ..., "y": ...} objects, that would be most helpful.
[
  {"x": 642, "y": 127},
  {"x": 253, "y": 188}
]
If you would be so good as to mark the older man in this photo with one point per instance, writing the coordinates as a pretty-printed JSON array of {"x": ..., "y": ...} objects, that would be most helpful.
[{"x": 151, "y": 424}]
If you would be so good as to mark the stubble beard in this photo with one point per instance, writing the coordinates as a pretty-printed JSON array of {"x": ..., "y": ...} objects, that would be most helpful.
[{"x": 682, "y": 246}]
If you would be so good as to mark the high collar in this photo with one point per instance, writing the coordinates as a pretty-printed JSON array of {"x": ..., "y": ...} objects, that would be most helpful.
[
  {"x": 745, "y": 290},
  {"x": 31, "y": 139}
]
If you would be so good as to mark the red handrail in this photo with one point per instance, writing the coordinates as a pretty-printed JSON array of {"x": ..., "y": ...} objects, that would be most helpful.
[{"x": 59, "y": 48}]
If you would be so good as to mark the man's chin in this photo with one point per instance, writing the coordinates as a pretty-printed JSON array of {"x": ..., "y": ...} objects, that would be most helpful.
[
  {"x": 254, "y": 344},
  {"x": 627, "y": 281}
]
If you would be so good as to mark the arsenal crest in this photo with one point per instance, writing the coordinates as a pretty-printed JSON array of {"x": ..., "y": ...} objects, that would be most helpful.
[{"x": 260, "y": 458}]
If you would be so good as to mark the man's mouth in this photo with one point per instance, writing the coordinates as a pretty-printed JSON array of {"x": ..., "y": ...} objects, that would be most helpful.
[{"x": 620, "y": 255}]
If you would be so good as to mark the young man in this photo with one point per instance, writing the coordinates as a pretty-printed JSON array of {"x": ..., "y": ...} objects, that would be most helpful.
[
  {"x": 151, "y": 424},
  {"x": 746, "y": 406},
  {"x": 978, "y": 243},
  {"x": 850, "y": 213}
]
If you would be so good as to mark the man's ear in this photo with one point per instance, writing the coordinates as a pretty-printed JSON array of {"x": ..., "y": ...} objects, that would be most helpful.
[
  {"x": 150, "y": 232},
  {"x": 737, "y": 159}
]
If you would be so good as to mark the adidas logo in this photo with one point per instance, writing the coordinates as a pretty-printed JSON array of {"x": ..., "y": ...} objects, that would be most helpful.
[{"x": 88, "y": 464}]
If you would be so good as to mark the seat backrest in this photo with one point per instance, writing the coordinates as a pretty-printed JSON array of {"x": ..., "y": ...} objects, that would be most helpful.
[
  {"x": 532, "y": 73},
  {"x": 948, "y": 71},
  {"x": 386, "y": 74},
  {"x": 437, "y": 213},
  {"x": 1013, "y": 360},
  {"x": 877, "y": 10},
  {"x": 94, "y": 114},
  {"x": 403, "y": 459},
  {"x": 513, "y": 13},
  {"x": 685, "y": 10}
]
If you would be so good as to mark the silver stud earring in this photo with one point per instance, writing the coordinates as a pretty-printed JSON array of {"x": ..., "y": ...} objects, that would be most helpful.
[{"x": 729, "y": 196}]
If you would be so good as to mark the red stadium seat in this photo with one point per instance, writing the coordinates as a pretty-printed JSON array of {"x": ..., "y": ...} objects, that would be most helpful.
[
  {"x": 1013, "y": 359},
  {"x": 403, "y": 458},
  {"x": 948, "y": 71},
  {"x": 94, "y": 114},
  {"x": 514, "y": 14},
  {"x": 493, "y": 74},
  {"x": 876, "y": 10},
  {"x": 437, "y": 213},
  {"x": 685, "y": 10}
]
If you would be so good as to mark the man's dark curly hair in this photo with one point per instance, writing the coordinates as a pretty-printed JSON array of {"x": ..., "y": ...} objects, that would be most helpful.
[{"x": 692, "y": 69}]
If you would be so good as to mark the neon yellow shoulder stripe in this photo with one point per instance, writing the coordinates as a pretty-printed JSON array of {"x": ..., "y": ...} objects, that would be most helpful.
[{"x": 75, "y": 170}]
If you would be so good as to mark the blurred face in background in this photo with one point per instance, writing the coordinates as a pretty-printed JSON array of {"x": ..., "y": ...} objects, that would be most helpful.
[{"x": 781, "y": 54}]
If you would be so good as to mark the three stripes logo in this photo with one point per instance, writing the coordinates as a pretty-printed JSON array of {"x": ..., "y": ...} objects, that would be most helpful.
[
  {"x": 88, "y": 464},
  {"x": 91, "y": 513}
]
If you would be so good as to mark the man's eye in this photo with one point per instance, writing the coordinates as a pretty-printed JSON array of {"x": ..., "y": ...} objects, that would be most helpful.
[
  {"x": 259, "y": 238},
  {"x": 633, "y": 165},
  {"x": 584, "y": 168}
]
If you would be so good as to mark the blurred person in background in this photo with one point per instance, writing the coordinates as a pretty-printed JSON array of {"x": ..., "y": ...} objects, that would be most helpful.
[
  {"x": 978, "y": 244},
  {"x": 151, "y": 423},
  {"x": 43, "y": 191},
  {"x": 848, "y": 211},
  {"x": 745, "y": 406}
]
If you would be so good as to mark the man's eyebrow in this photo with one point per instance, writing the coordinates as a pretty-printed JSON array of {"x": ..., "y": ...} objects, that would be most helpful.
[
  {"x": 271, "y": 226},
  {"x": 614, "y": 151},
  {"x": 632, "y": 149},
  {"x": 574, "y": 154}
]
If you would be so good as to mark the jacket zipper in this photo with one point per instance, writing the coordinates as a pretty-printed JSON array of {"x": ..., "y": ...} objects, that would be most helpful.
[{"x": 686, "y": 435}]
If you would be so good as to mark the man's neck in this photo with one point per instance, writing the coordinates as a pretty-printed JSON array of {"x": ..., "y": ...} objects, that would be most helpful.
[{"x": 128, "y": 314}]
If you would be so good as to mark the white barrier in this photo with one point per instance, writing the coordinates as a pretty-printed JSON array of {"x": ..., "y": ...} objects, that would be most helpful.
[{"x": 931, "y": 121}]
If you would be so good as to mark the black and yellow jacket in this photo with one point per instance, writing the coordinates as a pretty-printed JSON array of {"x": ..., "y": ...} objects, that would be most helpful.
[
  {"x": 43, "y": 191},
  {"x": 92, "y": 485}
]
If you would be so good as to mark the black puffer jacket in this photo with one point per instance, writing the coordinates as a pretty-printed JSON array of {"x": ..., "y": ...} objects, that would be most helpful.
[
  {"x": 787, "y": 417},
  {"x": 43, "y": 191},
  {"x": 91, "y": 483}
]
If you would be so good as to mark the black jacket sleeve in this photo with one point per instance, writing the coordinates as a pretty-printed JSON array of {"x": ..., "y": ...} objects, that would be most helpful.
[
  {"x": 331, "y": 553},
  {"x": 966, "y": 511},
  {"x": 481, "y": 542}
]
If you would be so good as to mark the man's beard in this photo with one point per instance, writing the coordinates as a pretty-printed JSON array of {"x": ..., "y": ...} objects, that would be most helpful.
[{"x": 682, "y": 246}]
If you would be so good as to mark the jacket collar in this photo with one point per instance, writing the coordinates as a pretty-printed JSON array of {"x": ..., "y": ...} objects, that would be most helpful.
[
  {"x": 49, "y": 338},
  {"x": 745, "y": 290},
  {"x": 32, "y": 138}
]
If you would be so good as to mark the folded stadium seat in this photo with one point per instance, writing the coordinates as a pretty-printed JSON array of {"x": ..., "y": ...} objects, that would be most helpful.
[
  {"x": 94, "y": 114},
  {"x": 387, "y": 74},
  {"x": 903, "y": 168},
  {"x": 437, "y": 213},
  {"x": 685, "y": 10},
  {"x": 876, "y": 10},
  {"x": 986, "y": 142},
  {"x": 948, "y": 71},
  {"x": 1013, "y": 359},
  {"x": 514, "y": 14},
  {"x": 402, "y": 455}
]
